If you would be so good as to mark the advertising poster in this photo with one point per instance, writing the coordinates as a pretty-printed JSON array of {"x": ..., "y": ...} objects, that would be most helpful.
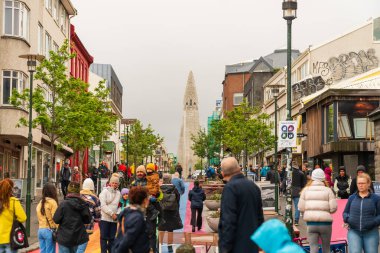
[{"x": 287, "y": 136}]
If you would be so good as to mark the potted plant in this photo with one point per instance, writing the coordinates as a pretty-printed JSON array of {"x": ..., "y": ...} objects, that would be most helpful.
[
  {"x": 212, "y": 202},
  {"x": 213, "y": 220}
]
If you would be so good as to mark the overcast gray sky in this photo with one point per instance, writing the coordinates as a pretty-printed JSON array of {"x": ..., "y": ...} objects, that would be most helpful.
[{"x": 153, "y": 44}]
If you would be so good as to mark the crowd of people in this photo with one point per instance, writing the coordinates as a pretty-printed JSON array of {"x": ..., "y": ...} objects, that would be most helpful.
[{"x": 129, "y": 217}]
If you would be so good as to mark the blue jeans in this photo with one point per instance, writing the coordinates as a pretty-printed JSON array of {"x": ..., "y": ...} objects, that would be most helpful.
[
  {"x": 64, "y": 249},
  {"x": 296, "y": 210},
  {"x": 82, "y": 248},
  {"x": 46, "y": 240},
  {"x": 6, "y": 248},
  {"x": 367, "y": 241}
]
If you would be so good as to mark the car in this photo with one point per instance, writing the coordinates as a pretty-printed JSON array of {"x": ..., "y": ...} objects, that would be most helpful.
[{"x": 197, "y": 173}]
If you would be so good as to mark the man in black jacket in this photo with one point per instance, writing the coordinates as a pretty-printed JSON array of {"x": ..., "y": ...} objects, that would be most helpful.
[
  {"x": 72, "y": 215},
  {"x": 196, "y": 197},
  {"x": 241, "y": 210},
  {"x": 354, "y": 187}
]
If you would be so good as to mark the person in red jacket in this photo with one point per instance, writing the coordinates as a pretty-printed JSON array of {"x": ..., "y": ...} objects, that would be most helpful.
[{"x": 328, "y": 173}]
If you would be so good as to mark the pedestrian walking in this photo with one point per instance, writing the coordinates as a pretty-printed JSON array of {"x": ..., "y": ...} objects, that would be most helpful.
[
  {"x": 241, "y": 211},
  {"x": 71, "y": 216},
  {"x": 46, "y": 209},
  {"x": 196, "y": 198},
  {"x": 76, "y": 177},
  {"x": 298, "y": 183},
  {"x": 317, "y": 203},
  {"x": 10, "y": 208},
  {"x": 360, "y": 169},
  {"x": 342, "y": 184},
  {"x": 362, "y": 217},
  {"x": 132, "y": 235},
  {"x": 178, "y": 183},
  {"x": 65, "y": 176},
  {"x": 171, "y": 219},
  {"x": 109, "y": 200},
  {"x": 93, "y": 203},
  {"x": 272, "y": 175},
  {"x": 179, "y": 169},
  {"x": 124, "y": 200}
]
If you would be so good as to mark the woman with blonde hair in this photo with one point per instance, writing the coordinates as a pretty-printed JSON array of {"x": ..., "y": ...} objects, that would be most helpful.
[
  {"x": 9, "y": 207},
  {"x": 317, "y": 203},
  {"x": 362, "y": 217},
  {"x": 45, "y": 212}
]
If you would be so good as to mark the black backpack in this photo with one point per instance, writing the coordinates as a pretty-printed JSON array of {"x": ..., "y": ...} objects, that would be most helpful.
[{"x": 169, "y": 201}]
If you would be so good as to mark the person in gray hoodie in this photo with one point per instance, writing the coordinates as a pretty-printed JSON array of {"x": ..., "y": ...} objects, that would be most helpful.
[{"x": 109, "y": 202}]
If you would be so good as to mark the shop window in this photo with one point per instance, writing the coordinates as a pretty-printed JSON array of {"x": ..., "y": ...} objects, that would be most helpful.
[
  {"x": 1, "y": 166},
  {"x": 330, "y": 123},
  {"x": 353, "y": 122},
  {"x": 13, "y": 169}
]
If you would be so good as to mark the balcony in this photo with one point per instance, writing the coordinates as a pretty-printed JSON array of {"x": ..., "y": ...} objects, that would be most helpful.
[{"x": 349, "y": 146}]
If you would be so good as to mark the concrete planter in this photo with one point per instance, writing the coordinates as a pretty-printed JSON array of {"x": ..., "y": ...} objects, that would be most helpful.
[
  {"x": 213, "y": 223},
  {"x": 212, "y": 205}
]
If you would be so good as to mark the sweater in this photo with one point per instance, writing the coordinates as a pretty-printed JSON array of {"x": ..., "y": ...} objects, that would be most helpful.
[
  {"x": 317, "y": 202},
  {"x": 50, "y": 208},
  {"x": 109, "y": 202},
  {"x": 362, "y": 214},
  {"x": 6, "y": 219}
]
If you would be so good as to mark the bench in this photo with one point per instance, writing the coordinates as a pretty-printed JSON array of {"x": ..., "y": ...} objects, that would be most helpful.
[{"x": 204, "y": 241}]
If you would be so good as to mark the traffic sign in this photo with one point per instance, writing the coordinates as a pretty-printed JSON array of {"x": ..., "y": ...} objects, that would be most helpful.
[{"x": 287, "y": 134}]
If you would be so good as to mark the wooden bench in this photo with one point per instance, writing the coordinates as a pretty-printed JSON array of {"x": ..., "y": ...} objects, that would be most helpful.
[{"x": 199, "y": 240}]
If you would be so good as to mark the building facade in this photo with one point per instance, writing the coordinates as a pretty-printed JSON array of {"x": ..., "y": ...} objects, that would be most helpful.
[
  {"x": 112, "y": 146},
  {"x": 79, "y": 68},
  {"x": 27, "y": 27},
  {"x": 334, "y": 89}
]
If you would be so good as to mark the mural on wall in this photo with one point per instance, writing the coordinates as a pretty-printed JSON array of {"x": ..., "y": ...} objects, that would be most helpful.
[
  {"x": 347, "y": 65},
  {"x": 334, "y": 70}
]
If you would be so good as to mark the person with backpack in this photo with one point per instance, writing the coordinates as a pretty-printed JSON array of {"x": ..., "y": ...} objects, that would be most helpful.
[
  {"x": 132, "y": 235},
  {"x": 71, "y": 216},
  {"x": 362, "y": 217},
  {"x": 171, "y": 219},
  {"x": 10, "y": 208},
  {"x": 45, "y": 211},
  {"x": 196, "y": 198}
]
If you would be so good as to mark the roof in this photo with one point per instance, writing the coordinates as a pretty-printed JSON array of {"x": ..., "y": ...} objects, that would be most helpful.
[
  {"x": 107, "y": 72},
  {"x": 277, "y": 59}
]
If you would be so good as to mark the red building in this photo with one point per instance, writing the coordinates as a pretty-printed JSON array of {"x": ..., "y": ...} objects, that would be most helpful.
[{"x": 80, "y": 66}]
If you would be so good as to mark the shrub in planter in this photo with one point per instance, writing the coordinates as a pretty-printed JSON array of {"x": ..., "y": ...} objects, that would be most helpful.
[{"x": 213, "y": 221}]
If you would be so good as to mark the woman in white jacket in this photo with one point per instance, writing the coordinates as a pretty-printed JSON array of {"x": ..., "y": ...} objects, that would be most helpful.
[
  {"x": 317, "y": 203},
  {"x": 109, "y": 201}
]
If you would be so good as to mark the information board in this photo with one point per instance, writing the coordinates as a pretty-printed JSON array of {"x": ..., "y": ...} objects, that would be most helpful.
[{"x": 287, "y": 136}]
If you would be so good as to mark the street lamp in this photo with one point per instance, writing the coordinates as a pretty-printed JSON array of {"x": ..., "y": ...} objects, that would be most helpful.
[
  {"x": 126, "y": 123},
  {"x": 32, "y": 64},
  {"x": 245, "y": 161},
  {"x": 289, "y": 8},
  {"x": 275, "y": 89}
]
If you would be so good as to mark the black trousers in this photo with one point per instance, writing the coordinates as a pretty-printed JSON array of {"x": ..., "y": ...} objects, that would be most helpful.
[
  {"x": 196, "y": 219},
  {"x": 64, "y": 185},
  {"x": 107, "y": 235}
]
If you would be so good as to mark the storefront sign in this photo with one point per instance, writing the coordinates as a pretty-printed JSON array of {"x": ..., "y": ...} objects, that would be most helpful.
[
  {"x": 287, "y": 134},
  {"x": 376, "y": 186},
  {"x": 268, "y": 196}
]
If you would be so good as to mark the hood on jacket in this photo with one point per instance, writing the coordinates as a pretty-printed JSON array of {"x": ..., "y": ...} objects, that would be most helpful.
[
  {"x": 75, "y": 202},
  {"x": 197, "y": 189},
  {"x": 167, "y": 188},
  {"x": 273, "y": 237}
]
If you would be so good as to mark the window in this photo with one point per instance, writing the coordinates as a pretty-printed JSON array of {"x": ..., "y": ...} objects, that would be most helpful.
[
  {"x": 294, "y": 77},
  {"x": 304, "y": 69},
  {"x": 48, "y": 5},
  {"x": 47, "y": 45},
  {"x": 40, "y": 39},
  {"x": 12, "y": 80},
  {"x": 16, "y": 19},
  {"x": 376, "y": 29},
  {"x": 330, "y": 123},
  {"x": 55, "y": 9},
  {"x": 55, "y": 47},
  {"x": 238, "y": 98},
  {"x": 63, "y": 19}
]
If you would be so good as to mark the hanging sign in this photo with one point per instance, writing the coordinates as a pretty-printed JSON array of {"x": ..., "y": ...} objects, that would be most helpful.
[{"x": 287, "y": 136}]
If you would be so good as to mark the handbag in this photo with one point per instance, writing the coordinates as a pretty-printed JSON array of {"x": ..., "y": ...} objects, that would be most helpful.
[
  {"x": 54, "y": 233},
  {"x": 19, "y": 239}
]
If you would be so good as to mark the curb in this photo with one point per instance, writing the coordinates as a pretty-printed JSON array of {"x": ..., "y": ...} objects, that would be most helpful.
[{"x": 31, "y": 248}]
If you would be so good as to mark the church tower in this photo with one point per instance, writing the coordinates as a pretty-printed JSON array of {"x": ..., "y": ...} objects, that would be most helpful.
[{"x": 190, "y": 126}]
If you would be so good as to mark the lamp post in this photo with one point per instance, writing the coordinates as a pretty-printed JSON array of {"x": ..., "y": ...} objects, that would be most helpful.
[
  {"x": 275, "y": 91},
  {"x": 289, "y": 8},
  {"x": 32, "y": 64},
  {"x": 126, "y": 123}
]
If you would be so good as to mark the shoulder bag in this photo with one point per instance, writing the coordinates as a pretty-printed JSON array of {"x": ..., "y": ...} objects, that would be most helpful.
[{"x": 19, "y": 239}]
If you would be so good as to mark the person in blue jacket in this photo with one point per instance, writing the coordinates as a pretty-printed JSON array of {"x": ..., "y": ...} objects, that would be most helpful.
[
  {"x": 273, "y": 237},
  {"x": 132, "y": 235},
  {"x": 362, "y": 217}
]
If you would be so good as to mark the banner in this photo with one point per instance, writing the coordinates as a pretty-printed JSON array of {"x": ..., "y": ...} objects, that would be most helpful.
[{"x": 287, "y": 136}]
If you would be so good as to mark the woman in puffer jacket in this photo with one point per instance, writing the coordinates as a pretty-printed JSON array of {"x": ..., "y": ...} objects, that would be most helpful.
[{"x": 317, "y": 203}]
